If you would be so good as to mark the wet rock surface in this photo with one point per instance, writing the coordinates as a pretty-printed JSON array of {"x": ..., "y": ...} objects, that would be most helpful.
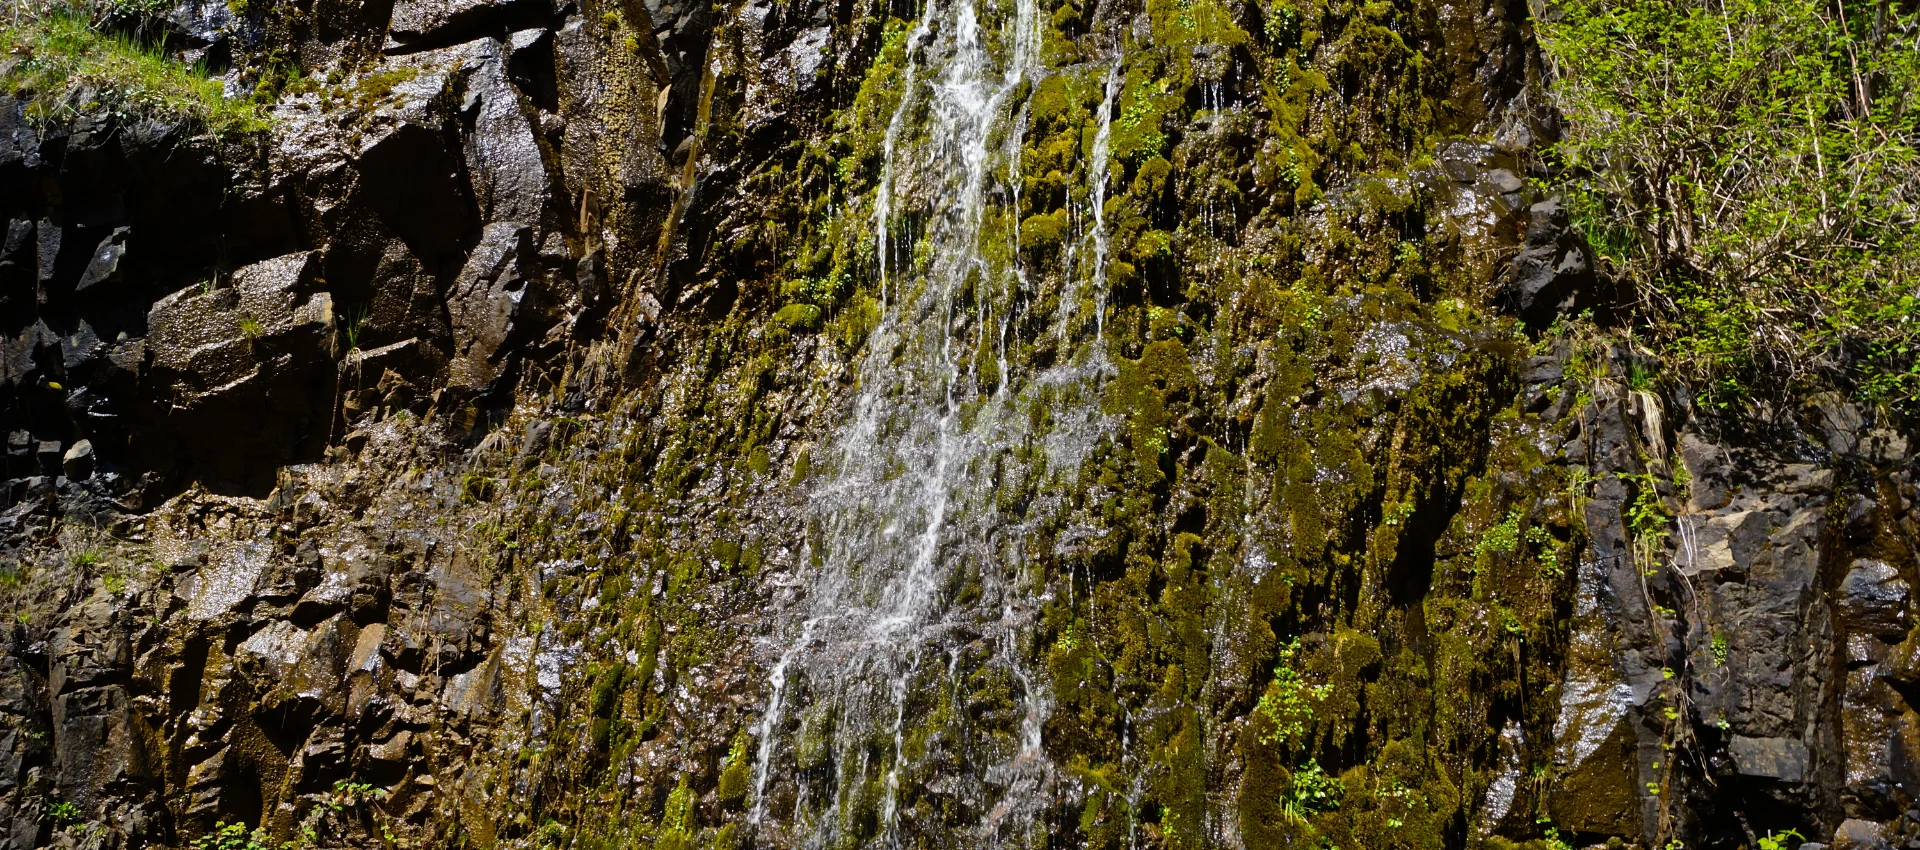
[{"x": 464, "y": 460}]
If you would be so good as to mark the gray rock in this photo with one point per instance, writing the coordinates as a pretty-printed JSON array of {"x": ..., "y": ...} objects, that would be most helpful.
[
  {"x": 806, "y": 56},
  {"x": 213, "y": 342},
  {"x": 1839, "y": 421},
  {"x": 1803, "y": 478},
  {"x": 1783, "y": 759},
  {"x": 486, "y": 303},
  {"x": 201, "y": 23},
  {"x": 505, "y": 162},
  {"x": 49, "y": 454},
  {"x": 104, "y": 267},
  {"x": 1709, "y": 484},
  {"x": 1885, "y": 446},
  {"x": 1553, "y": 273},
  {"x": 417, "y": 22},
  {"x": 78, "y": 461},
  {"x": 1874, "y": 599},
  {"x": 1857, "y": 834}
]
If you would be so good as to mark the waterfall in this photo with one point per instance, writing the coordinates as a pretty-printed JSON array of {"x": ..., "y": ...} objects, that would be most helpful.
[{"x": 914, "y": 573}]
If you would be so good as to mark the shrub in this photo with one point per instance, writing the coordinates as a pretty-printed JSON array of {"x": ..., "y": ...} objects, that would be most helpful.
[{"x": 1753, "y": 168}]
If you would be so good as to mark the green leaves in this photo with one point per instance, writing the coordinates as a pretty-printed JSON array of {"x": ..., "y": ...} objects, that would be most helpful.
[
  {"x": 1753, "y": 169},
  {"x": 1289, "y": 700}
]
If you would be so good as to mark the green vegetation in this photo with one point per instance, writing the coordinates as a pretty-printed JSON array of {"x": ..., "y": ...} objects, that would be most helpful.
[
  {"x": 1312, "y": 790},
  {"x": 798, "y": 317},
  {"x": 235, "y": 836},
  {"x": 1286, "y": 704},
  {"x": 64, "y": 812},
  {"x": 1753, "y": 169},
  {"x": 351, "y": 328},
  {"x": 66, "y": 67}
]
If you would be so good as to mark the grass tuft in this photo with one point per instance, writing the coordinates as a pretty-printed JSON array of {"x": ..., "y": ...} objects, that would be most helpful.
[{"x": 64, "y": 67}]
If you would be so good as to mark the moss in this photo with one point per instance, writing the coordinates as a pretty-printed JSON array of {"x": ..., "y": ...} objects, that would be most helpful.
[
  {"x": 736, "y": 774},
  {"x": 1251, "y": 491},
  {"x": 798, "y": 317},
  {"x": 367, "y": 90},
  {"x": 1180, "y": 25},
  {"x": 1145, "y": 104},
  {"x": 1042, "y": 234}
]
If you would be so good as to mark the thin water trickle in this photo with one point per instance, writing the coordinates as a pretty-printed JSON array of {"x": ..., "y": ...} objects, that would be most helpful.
[{"x": 1097, "y": 178}]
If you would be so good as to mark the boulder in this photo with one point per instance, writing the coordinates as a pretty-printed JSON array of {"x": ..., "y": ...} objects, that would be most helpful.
[
  {"x": 78, "y": 461},
  {"x": 104, "y": 267},
  {"x": 1709, "y": 482},
  {"x": 1553, "y": 274},
  {"x": 422, "y": 24},
  {"x": 208, "y": 341},
  {"x": 1874, "y": 599},
  {"x": 1857, "y": 834},
  {"x": 505, "y": 162}
]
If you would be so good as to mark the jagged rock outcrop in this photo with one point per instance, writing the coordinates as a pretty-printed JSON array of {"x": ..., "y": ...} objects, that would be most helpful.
[{"x": 458, "y": 462}]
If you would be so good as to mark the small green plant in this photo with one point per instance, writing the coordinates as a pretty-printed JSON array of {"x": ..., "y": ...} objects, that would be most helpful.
[
  {"x": 64, "y": 812},
  {"x": 1288, "y": 701},
  {"x": 1647, "y": 518},
  {"x": 347, "y": 793},
  {"x": 1554, "y": 841},
  {"x": 679, "y": 823},
  {"x": 350, "y": 330},
  {"x": 1169, "y": 823},
  {"x": 475, "y": 487},
  {"x": 1720, "y": 649},
  {"x": 351, "y": 795},
  {"x": 235, "y": 836},
  {"x": 1639, "y": 376},
  {"x": 1546, "y": 551},
  {"x": 1311, "y": 790},
  {"x": 1397, "y": 514},
  {"x": 114, "y": 583},
  {"x": 87, "y": 558},
  {"x": 1501, "y": 539},
  {"x": 251, "y": 328},
  {"x": 1778, "y": 841}
]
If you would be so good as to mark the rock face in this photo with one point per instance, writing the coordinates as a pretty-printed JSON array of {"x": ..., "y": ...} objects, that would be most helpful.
[{"x": 981, "y": 424}]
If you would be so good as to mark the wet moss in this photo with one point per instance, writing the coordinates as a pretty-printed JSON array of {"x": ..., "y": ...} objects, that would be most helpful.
[
  {"x": 798, "y": 317},
  {"x": 1276, "y": 473}
]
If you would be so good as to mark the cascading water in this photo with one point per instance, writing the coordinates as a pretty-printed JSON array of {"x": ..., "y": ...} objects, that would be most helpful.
[{"x": 903, "y": 700}]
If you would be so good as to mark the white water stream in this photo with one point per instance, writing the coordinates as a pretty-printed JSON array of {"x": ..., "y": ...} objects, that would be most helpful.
[{"x": 916, "y": 598}]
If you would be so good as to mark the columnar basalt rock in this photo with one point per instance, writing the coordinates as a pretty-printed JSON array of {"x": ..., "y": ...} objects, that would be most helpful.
[{"x": 971, "y": 423}]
